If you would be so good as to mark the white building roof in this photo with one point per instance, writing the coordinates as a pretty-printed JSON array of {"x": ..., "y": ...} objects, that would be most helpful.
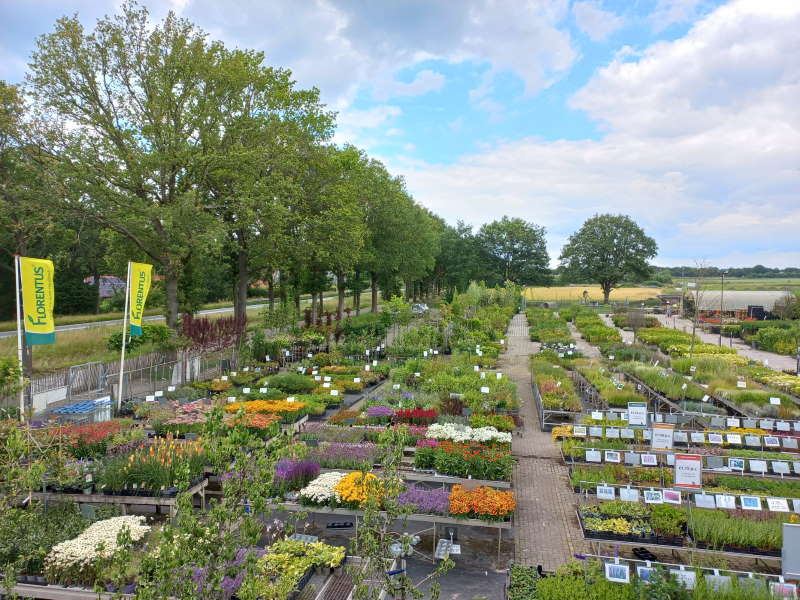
[{"x": 738, "y": 300}]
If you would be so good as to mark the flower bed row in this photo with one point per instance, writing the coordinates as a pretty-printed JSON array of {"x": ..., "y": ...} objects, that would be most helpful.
[
  {"x": 737, "y": 531},
  {"x": 352, "y": 490},
  {"x": 555, "y": 386},
  {"x": 663, "y": 476},
  {"x": 678, "y": 343}
]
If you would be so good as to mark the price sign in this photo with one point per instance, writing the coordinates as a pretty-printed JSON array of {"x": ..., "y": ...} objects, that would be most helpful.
[{"x": 688, "y": 471}]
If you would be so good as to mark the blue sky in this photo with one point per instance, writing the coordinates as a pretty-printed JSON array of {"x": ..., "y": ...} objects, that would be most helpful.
[{"x": 680, "y": 113}]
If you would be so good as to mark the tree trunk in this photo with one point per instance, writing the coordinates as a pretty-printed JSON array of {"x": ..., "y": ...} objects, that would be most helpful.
[
  {"x": 357, "y": 292},
  {"x": 96, "y": 287},
  {"x": 373, "y": 282},
  {"x": 606, "y": 292},
  {"x": 340, "y": 289},
  {"x": 242, "y": 281},
  {"x": 271, "y": 287},
  {"x": 313, "y": 307},
  {"x": 321, "y": 303},
  {"x": 171, "y": 289}
]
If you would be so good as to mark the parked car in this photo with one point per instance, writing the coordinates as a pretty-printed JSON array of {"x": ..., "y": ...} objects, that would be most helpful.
[{"x": 419, "y": 309}]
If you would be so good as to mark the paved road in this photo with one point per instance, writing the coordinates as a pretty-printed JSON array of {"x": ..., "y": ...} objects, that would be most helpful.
[{"x": 210, "y": 311}]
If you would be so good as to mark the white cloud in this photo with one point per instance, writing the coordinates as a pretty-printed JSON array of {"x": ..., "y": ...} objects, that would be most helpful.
[
  {"x": 424, "y": 82},
  {"x": 456, "y": 124},
  {"x": 701, "y": 147},
  {"x": 595, "y": 22},
  {"x": 668, "y": 12},
  {"x": 368, "y": 118},
  {"x": 354, "y": 124},
  {"x": 341, "y": 45},
  {"x": 394, "y": 131}
]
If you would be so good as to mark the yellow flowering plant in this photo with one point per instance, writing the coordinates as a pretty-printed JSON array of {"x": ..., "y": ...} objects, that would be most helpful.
[{"x": 357, "y": 487}]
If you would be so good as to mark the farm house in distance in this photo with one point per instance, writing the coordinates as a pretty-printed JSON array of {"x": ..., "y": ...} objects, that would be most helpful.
[{"x": 739, "y": 305}]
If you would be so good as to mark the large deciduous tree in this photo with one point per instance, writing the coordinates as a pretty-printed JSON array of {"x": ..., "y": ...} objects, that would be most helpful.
[
  {"x": 608, "y": 249},
  {"x": 127, "y": 107},
  {"x": 516, "y": 251},
  {"x": 270, "y": 126}
]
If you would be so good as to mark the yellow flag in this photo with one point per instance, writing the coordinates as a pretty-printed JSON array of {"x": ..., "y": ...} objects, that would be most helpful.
[
  {"x": 37, "y": 300},
  {"x": 138, "y": 289}
]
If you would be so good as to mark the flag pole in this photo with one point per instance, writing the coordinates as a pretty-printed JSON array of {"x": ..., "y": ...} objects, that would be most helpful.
[
  {"x": 124, "y": 333},
  {"x": 19, "y": 341}
]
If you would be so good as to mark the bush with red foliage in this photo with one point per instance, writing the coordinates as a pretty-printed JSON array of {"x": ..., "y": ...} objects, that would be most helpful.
[
  {"x": 209, "y": 336},
  {"x": 416, "y": 416}
]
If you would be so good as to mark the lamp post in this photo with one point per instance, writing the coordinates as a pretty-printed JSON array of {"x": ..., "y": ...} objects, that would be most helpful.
[
  {"x": 721, "y": 305},
  {"x": 797, "y": 369}
]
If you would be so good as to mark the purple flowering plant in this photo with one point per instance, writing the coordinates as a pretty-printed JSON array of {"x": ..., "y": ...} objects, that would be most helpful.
[
  {"x": 379, "y": 413},
  {"x": 424, "y": 500},
  {"x": 235, "y": 572},
  {"x": 338, "y": 455},
  {"x": 294, "y": 474}
]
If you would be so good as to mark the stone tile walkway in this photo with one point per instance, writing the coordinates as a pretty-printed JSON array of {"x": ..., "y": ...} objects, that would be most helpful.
[
  {"x": 546, "y": 530},
  {"x": 585, "y": 347},
  {"x": 627, "y": 336}
]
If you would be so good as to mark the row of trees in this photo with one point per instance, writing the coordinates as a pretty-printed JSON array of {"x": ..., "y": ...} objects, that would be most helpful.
[{"x": 151, "y": 142}]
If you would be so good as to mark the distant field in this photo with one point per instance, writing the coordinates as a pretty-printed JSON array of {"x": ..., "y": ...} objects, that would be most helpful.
[
  {"x": 567, "y": 293},
  {"x": 747, "y": 283}
]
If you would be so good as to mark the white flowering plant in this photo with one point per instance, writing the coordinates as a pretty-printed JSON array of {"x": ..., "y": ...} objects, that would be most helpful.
[
  {"x": 321, "y": 490},
  {"x": 75, "y": 561},
  {"x": 464, "y": 433}
]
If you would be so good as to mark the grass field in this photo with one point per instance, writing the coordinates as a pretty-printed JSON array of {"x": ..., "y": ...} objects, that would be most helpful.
[
  {"x": 747, "y": 283},
  {"x": 575, "y": 293},
  {"x": 78, "y": 346}
]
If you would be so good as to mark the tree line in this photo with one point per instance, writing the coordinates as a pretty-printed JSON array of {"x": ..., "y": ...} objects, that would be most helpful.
[{"x": 150, "y": 142}]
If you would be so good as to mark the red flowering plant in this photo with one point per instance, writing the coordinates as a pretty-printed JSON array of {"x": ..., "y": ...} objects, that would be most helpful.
[
  {"x": 87, "y": 441},
  {"x": 416, "y": 416},
  {"x": 465, "y": 459}
]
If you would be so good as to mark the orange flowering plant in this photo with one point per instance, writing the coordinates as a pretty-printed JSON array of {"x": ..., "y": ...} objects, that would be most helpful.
[
  {"x": 483, "y": 502},
  {"x": 264, "y": 425},
  {"x": 155, "y": 466},
  {"x": 288, "y": 412}
]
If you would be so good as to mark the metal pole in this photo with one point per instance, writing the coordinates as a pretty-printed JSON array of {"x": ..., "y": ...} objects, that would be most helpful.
[
  {"x": 124, "y": 333},
  {"x": 19, "y": 341},
  {"x": 721, "y": 297}
]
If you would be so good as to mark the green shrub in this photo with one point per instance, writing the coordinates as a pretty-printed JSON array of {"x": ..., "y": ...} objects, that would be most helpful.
[
  {"x": 158, "y": 335},
  {"x": 292, "y": 383},
  {"x": 668, "y": 519}
]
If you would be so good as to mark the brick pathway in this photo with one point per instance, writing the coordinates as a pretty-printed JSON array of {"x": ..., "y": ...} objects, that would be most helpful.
[{"x": 546, "y": 531}]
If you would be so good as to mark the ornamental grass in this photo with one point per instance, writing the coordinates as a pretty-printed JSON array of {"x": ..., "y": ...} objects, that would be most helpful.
[{"x": 482, "y": 503}]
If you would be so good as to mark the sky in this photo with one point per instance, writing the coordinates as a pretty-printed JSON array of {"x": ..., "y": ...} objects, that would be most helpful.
[{"x": 683, "y": 114}]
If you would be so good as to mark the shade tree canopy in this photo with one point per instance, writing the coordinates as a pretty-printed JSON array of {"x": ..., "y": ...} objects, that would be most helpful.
[{"x": 608, "y": 249}]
